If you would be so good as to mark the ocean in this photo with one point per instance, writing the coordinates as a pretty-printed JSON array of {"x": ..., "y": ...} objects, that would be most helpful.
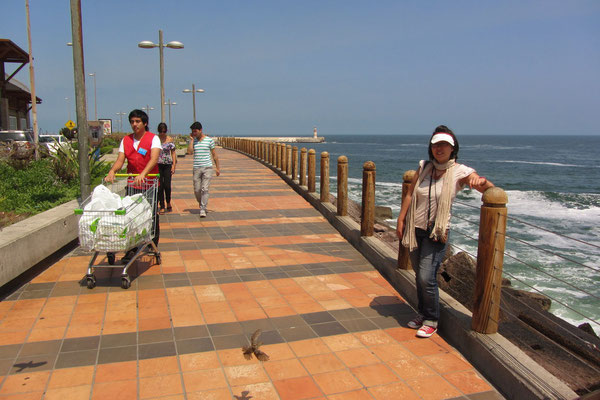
[{"x": 552, "y": 183}]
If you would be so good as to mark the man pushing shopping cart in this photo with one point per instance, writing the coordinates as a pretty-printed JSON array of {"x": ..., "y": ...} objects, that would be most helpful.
[{"x": 141, "y": 149}]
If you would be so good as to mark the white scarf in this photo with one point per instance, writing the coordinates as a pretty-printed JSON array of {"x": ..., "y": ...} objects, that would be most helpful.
[{"x": 443, "y": 207}]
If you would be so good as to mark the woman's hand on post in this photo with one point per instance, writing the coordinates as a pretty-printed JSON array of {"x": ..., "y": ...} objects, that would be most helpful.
[
  {"x": 476, "y": 181},
  {"x": 400, "y": 229}
]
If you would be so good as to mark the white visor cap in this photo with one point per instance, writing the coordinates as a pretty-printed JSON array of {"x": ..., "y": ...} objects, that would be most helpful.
[{"x": 442, "y": 137}]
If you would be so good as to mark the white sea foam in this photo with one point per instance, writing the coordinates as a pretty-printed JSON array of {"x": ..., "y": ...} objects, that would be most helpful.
[{"x": 545, "y": 163}]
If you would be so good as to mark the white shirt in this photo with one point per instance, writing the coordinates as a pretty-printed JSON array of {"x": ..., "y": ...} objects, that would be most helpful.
[
  {"x": 425, "y": 207},
  {"x": 136, "y": 143}
]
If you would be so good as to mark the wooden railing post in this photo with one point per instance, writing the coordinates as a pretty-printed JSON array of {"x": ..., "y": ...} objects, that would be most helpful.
[
  {"x": 367, "y": 213},
  {"x": 303, "y": 166},
  {"x": 403, "y": 257},
  {"x": 490, "y": 256},
  {"x": 279, "y": 156},
  {"x": 311, "y": 171},
  {"x": 342, "y": 186},
  {"x": 324, "y": 177},
  {"x": 288, "y": 159},
  {"x": 294, "y": 163}
]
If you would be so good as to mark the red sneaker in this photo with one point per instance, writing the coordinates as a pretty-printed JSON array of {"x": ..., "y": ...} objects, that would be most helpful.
[{"x": 426, "y": 331}]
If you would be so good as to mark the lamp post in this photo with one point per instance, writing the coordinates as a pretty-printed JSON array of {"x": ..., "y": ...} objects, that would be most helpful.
[
  {"x": 170, "y": 103},
  {"x": 120, "y": 114},
  {"x": 193, "y": 92},
  {"x": 68, "y": 108},
  {"x": 95, "y": 103},
  {"x": 147, "y": 109},
  {"x": 146, "y": 44}
]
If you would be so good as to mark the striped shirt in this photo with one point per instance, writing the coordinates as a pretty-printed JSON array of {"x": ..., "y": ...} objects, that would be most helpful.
[{"x": 202, "y": 152}]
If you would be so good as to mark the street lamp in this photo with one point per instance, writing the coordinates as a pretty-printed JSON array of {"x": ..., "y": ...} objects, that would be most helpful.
[
  {"x": 120, "y": 114},
  {"x": 147, "y": 109},
  {"x": 95, "y": 104},
  {"x": 170, "y": 103},
  {"x": 193, "y": 92},
  {"x": 68, "y": 108},
  {"x": 146, "y": 44}
]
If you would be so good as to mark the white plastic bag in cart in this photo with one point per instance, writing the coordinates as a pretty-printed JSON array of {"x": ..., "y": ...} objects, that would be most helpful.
[
  {"x": 88, "y": 225},
  {"x": 103, "y": 199}
]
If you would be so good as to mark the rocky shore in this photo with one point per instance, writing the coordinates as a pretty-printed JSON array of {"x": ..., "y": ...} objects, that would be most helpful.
[{"x": 570, "y": 353}]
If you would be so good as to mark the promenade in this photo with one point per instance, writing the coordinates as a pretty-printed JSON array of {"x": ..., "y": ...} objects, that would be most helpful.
[{"x": 263, "y": 259}]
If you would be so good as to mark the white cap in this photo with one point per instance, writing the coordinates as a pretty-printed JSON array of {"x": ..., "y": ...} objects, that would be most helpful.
[{"x": 442, "y": 137}]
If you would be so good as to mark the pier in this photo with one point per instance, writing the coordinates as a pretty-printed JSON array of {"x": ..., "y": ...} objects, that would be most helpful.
[{"x": 264, "y": 258}]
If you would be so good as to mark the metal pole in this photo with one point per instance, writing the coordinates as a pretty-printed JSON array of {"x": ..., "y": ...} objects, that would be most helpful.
[
  {"x": 79, "y": 77},
  {"x": 194, "y": 100},
  {"x": 95, "y": 102},
  {"x": 32, "y": 79},
  {"x": 162, "y": 75}
]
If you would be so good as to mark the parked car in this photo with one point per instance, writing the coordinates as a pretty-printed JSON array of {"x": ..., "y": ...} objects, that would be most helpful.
[
  {"x": 17, "y": 144},
  {"x": 52, "y": 142}
]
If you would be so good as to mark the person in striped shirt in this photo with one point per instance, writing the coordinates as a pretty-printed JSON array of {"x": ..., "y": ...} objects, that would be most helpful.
[{"x": 203, "y": 149}]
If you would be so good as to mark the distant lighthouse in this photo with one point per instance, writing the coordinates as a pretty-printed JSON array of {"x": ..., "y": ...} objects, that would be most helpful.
[{"x": 315, "y": 132}]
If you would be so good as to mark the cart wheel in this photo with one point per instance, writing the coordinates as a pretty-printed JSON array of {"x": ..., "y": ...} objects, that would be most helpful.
[
  {"x": 158, "y": 260},
  {"x": 111, "y": 258},
  {"x": 125, "y": 282},
  {"x": 91, "y": 282}
]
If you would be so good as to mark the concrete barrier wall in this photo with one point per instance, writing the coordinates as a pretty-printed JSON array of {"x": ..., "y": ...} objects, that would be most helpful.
[{"x": 26, "y": 243}]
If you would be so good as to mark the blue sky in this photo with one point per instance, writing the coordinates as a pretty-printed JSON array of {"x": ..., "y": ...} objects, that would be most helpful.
[{"x": 346, "y": 67}]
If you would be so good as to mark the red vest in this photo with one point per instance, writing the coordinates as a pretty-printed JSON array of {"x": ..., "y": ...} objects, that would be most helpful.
[{"x": 138, "y": 159}]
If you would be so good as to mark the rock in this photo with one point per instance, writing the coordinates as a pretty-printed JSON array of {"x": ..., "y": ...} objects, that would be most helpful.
[
  {"x": 586, "y": 327},
  {"x": 379, "y": 228},
  {"x": 383, "y": 213}
]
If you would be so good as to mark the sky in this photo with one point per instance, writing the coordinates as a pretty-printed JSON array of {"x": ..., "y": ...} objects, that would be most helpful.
[{"x": 346, "y": 67}]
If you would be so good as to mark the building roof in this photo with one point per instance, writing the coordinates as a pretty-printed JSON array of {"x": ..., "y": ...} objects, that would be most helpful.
[
  {"x": 10, "y": 52},
  {"x": 20, "y": 90}
]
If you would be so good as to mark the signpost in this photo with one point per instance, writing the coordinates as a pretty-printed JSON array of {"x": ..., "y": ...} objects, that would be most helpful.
[{"x": 70, "y": 124}]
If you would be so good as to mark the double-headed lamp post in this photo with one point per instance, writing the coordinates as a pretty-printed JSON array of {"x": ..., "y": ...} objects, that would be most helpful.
[
  {"x": 147, "y": 109},
  {"x": 146, "y": 44},
  {"x": 193, "y": 91},
  {"x": 170, "y": 103},
  {"x": 120, "y": 114},
  {"x": 95, "y": 101}
]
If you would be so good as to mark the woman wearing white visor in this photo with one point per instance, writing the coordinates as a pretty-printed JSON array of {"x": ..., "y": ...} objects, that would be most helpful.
[{"x": 424, "y": 220}]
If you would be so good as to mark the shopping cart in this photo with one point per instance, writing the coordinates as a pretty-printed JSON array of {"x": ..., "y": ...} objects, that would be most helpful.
[{"x": 129, "y": 228}]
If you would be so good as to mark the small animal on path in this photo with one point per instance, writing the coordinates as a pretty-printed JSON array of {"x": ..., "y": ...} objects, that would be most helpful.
[{"x": 254, "y": 348}]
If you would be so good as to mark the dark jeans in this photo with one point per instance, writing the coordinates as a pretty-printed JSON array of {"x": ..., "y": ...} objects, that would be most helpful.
[
  {"x": 426, "y": 261},
  {"x": 164, "y": 187}
]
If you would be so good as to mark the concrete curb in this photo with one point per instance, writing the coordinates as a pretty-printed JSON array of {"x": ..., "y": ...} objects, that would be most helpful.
[
  {"x": 509, "y": 369},
  {"x": 26, "y": 243}
]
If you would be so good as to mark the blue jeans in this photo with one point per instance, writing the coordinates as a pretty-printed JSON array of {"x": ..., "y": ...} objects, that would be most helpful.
[{"x": 426, "y": 261}]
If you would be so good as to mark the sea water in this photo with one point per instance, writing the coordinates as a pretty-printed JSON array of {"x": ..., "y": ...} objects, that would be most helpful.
[{"x": 552, "y": 183}]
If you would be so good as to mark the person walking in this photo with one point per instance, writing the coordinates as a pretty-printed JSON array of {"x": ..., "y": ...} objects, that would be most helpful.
[
  {"x": 167, "y": 161},
  {"x": 424, "y": 220},
  {"x": 203, "y": 149}
]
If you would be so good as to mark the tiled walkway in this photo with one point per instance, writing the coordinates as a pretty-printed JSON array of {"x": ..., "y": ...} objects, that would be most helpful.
[{"x": 263, "y": 258}]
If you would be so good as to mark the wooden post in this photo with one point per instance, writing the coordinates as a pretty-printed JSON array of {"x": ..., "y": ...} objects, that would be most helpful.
[
  {"x": 324, "y": 177},
  {"x": 273, "y": 154},
  {"x": 288, "y": 159},
  {"x": 278, "y": 163},
  {"x": 490, "y": 256},
  {"x": 367, "y": 213},
  {"x": 403, "y": 258},
  {"x": 294, "y": 163},
  {"x": 342, "y": 186},
  {"x": 311, "y": 171},
  {"x": 303, "y": 166}
]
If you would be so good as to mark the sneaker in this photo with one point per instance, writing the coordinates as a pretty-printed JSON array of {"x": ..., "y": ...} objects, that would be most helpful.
[
  {"x": 202, "y": 213},
  {"x": 417, "y": 322},
  {"x": 426, "y": 331}
]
